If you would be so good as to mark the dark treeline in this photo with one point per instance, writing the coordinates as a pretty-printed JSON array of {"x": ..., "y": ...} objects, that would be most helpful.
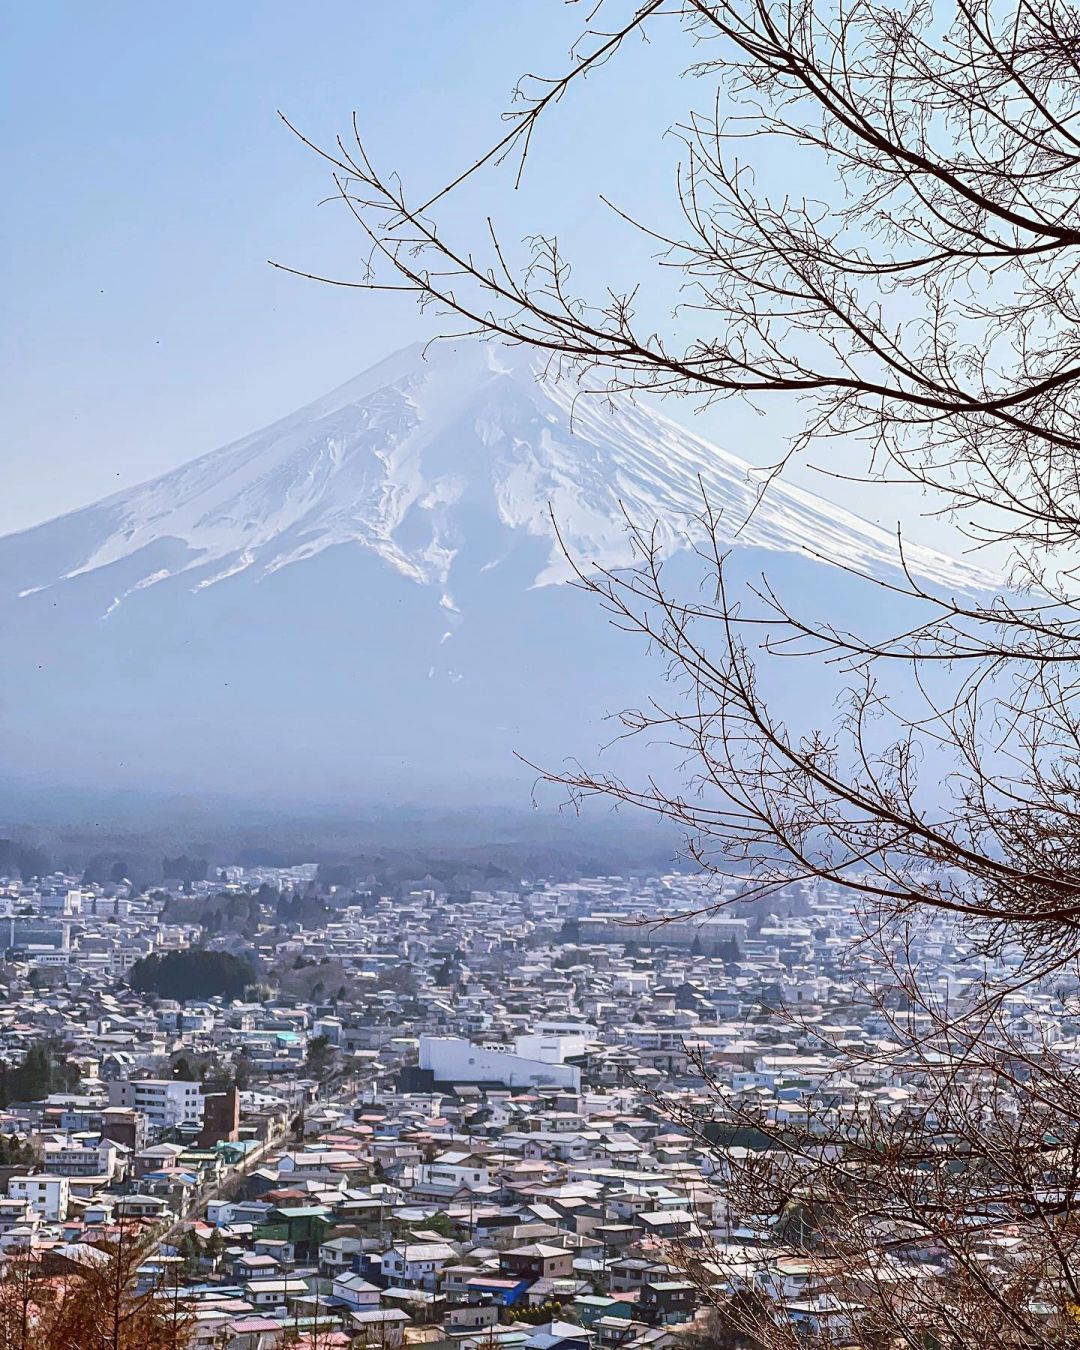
[
  {"x": 22, "y": 859},
  {"x": 192, "y": 974},
  {"x": 183, "y": 868},
  {"x": 43, "y": 1070},
  {"x": 244, "y": 912},
  {"x": 477, "y": 847}
]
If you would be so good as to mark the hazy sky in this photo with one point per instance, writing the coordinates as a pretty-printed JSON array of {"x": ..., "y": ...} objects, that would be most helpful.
[{"x": 148, "y": 180}]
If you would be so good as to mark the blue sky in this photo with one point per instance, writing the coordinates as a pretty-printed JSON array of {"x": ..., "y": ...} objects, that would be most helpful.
[{"x": 148, "y": 180}]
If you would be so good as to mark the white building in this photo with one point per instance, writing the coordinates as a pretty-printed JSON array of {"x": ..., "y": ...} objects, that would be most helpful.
[
  {"x": 81, "y": 1158},
  {"x": 356, "y": 1292},
  {"x": 451, "y": 1059},
  {"x": 416, "y": 1264},
  {"x": 273, "y": 1295},
  {"x": 166, "y": 1102},
  {"x": 46, "y": 1195},
  {"x": 452, "y": 1172},
  {"x": 555, "y": 1043}
]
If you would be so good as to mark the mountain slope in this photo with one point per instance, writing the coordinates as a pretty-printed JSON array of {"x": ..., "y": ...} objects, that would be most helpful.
[
  {"x": 388, "y": 460},
  {"x": 368, "y": 588}
]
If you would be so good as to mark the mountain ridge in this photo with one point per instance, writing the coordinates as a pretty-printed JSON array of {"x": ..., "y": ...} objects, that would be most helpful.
[
  {"x": 364, "y": 597},
  {"x": 368, "y": 464}
]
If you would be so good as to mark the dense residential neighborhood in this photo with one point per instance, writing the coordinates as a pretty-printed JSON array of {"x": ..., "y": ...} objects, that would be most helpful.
[{"x": 434, "y": 1118}]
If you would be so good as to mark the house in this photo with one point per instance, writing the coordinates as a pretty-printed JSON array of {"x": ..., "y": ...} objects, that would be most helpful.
[
  {"x": 538, "y": 1260},
  {"x": 668, "y": 1223},
  {"x": 384, "y": 1327},
  {"x": 282, "y": 1252},
  {"x": 416, "y": 1264},
  {"x": 663, "y": 1302},
  {"x": 141, "y": 1206},
  {"x": 503, "y": 1292},
  {"x": 557, "y": 1335},
  {"x": 629, "y": 1273},
  {"x": 591, "y": 1307},
  {"x": 219, "y": 1212},
  {"x": 452, "y": 1173},
  {"x": 252, "y": 1266},
  {"x": 252, "y": 1333},
  {"x": 158, "y": 1158},
  {"x": 337, "y": 1256},
  {"x": 301, "y": 1225},
  {"x": 358, "y": 1294},
  {"x": 274, "y": 1294},
  {"x": 15, "y": 1212},
  {"x": 472, "y": 1317}
]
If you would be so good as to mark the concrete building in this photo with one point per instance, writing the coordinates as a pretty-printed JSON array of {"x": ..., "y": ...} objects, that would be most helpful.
[
  {"x": 451, "y": 1059},
  {"x": 165, "y": 1102},
  {"x": 47, "y": 1196}
]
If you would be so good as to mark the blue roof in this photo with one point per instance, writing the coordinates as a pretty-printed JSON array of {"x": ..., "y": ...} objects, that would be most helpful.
[{"x": 237, "y": 1145}]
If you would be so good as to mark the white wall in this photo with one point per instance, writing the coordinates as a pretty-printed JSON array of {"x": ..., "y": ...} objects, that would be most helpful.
[
  {"x": 551, "y": 1048},
  {"x": 455, "y": 1060}
]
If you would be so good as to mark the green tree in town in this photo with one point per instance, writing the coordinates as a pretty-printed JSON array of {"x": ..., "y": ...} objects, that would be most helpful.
[
  {"x": 182, "y": 1070},
  {"x": 43, "y": 1070},
  {"x": 214, "y": 1248},
  {"x": 320, "y": 1056},
  {"x": 190, "y": 1251}
]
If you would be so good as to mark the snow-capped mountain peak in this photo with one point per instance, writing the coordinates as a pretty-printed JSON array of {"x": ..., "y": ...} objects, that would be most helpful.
[
  {"x": 438, "y": 446},
  {"x": 361, "y": 598}
]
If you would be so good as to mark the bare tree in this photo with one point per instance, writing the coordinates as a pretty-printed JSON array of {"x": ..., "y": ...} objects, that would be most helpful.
[
  {"x": 100, "y": 1305},
  {"x": 24, "y": 1301},
  {"x": 930, "y": 316},
  {"x": 943, "y": 1215},
  {"x": 923, "y": 314}
]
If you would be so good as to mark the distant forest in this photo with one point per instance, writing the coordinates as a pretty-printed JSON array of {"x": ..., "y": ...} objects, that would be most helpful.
[
  {"x": 459, "y": 854},
  {"x": 148, "y": 841}
]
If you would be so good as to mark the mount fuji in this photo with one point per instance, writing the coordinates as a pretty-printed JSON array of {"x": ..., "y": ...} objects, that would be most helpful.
[{"x": 367, "y": 598}]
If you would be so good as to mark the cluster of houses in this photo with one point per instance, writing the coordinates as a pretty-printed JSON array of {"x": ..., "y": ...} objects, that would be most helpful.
[
  {"x": 490, "y": 1217},
  {"x": 442, "y": 1117}
]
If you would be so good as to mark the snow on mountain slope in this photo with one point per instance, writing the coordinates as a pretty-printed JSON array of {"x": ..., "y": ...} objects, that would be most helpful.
[
  {"x": 359, "y": 601},
  {"x": 420, "y": 455}
]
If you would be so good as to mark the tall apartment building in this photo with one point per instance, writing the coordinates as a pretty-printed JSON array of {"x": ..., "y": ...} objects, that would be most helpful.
[{"x": 166, "y": 1102}]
